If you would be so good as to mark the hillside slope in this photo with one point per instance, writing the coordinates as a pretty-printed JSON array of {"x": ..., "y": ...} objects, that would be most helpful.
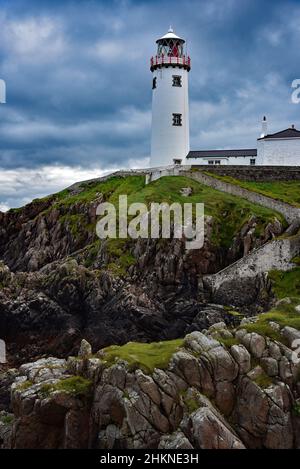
[
  {"x": 60, "y": 283},
  {"x": 172, "y": 369}
]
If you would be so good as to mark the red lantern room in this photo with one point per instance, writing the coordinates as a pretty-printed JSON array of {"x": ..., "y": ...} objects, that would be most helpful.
[{"x": 170, "y": 52}]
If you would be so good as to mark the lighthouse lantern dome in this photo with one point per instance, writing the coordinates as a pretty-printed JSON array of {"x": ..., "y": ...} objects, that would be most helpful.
[{"x": 170, "y": 45}]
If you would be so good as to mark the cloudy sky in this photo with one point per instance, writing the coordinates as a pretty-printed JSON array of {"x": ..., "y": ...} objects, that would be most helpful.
[{"x": 79, "y": 84}]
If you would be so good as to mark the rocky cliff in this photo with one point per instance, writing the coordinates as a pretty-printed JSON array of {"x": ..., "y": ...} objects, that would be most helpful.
[
  {"x": 59, "y": 284},
  {"x": 219, "y": 389}
]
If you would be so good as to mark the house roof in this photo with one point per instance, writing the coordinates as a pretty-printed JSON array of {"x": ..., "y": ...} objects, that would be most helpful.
[
  {"x": 291, "y": 132},
  {"x": 222, "y": 153}
]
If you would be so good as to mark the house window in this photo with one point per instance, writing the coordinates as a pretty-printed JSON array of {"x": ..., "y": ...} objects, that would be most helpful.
[
  {"x": 176, "y": 161},
  {"x": 177, "y": 119},
  {"x": 177, "y": 80},
  {"x": 252, "y": 161},
  {"x": 217, "y": 162},
  {"x": 154, "y": 83},
  {"x": 210, "y": 162}
]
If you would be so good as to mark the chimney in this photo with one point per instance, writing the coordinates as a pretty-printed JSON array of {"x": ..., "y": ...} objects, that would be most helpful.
[{"x": 264, "y": 127}]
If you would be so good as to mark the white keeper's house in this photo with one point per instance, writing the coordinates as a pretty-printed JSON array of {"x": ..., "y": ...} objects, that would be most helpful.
[
  {"x": 278, "y": 149},
  {"x": 170, "y": 141}
]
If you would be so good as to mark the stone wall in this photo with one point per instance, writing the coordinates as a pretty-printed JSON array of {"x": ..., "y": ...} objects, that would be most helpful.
[
  {"x": 275, "y": 255},
  {"x": 255, "y": 173},
  {"x": 289, "y": 212}
]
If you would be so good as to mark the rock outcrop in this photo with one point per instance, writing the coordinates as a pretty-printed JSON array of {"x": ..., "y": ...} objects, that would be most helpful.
[
  {"x": 224, "y": 386},
  {"x": 59, "y": 283},
  {"x": 209, "y": 396}
]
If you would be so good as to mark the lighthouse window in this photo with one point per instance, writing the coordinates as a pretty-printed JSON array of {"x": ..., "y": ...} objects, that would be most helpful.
[
  {"x": 177, "y": 80},
  {"x": 177, "y": 119},
  {"x": 154, "y": 84}
]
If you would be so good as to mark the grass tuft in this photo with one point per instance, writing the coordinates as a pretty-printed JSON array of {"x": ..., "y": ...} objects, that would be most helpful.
[
  {"x": 263, "y": 380},
  {"x": 143, "y": 356},
  {"x": 6, "y": 419},
  {"x": 75, "y": 385}
]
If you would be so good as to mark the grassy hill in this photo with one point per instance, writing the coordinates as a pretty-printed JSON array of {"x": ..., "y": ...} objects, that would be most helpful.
[
  {"x": 285, "y": 191},
  {"x": 230, "y": 212}
]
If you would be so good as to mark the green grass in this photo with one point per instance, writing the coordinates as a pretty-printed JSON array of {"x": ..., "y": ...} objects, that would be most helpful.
[
  {"x": 230, "y": 213},
  {"x": 296, "y": 410},
  {"x": 262, "y": 327},
  {"x": 296, "y": 260},
  {"x": 75, "y": 385},
  {"x": 191, "y": 399},
  {"x": 233, "y": 210},
  {"x": 109, "y": 189},
  {"x": 92, "y": 251},
  {"x": 25, "y": 385},
  {"x": 53, "y": 198},
  {"x": 285, "y": 191},
  {"x": 222, "y": 207},
  {"x": 77, "y": 224},
  {"x": 192, "y": 405},
  {"x": 7, "y": 419},
  {"x": 235, "y": 314},
  {"x": 284, "y": 315},
  {"x": 143, "y": 356},
  {"x": 227, "y": 341},
  {"x": 263, "y": 380},
  {"x": 285, "y": 285},
  {"x": 120, "y": 256}
]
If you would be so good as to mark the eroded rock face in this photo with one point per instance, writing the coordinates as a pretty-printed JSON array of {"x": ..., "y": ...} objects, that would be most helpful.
[
  {"x": 57, "y": 286},
  {"x": 210, "y": 396},
  {"x": 55, "y": 291},
  {"x": 207, "y": 430},
  {"x": 47, "y": 312}
]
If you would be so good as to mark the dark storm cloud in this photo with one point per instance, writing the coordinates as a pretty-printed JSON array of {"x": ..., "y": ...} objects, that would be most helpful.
[{"x": 78, "y": 79}]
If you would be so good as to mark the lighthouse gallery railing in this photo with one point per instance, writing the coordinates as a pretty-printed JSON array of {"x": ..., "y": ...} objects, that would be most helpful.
[{"x": 157, "y": 61}]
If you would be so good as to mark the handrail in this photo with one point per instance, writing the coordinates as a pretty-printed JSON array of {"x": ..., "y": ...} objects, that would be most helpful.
[{"x": 170, "y": 60}]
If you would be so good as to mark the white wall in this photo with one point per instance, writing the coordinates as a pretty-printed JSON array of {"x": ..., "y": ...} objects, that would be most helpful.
[
  {"x": 279, "y": 152},
  {"x": 240, "y": 161},
  {"x": 168, "y": 141}
]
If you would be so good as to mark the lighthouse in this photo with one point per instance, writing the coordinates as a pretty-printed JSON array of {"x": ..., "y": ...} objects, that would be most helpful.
[{"x": 170, "y": 140}]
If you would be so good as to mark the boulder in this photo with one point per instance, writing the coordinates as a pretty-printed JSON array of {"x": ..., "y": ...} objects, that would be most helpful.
[
  {"x": 291, "y": 334},
  {"x": 85, "y": 349},
  {"x": 206, "y": 429},
  {"x": 254, "y": 343},
  {"x": 242, "y": 357},
  {"x": 186, "y": 191},
  {"x": 270, "y": 365}
]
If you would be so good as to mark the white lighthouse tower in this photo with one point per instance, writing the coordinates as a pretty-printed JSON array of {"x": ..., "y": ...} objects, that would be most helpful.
[{"x": 170, "y": 142}]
